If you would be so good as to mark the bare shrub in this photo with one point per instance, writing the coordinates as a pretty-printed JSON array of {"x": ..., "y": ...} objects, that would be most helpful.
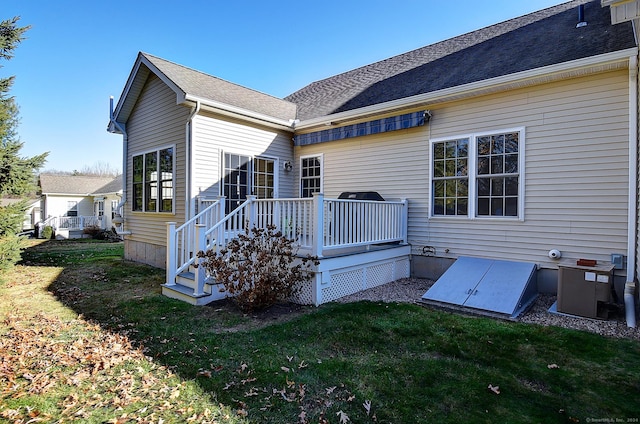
[{"x": 259, "y": 268}]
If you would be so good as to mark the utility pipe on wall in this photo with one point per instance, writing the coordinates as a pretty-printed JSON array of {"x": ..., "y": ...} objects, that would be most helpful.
[
  {"x": 633, "y": 186},
  {"x": 629, "y": 308},
  {"x": 125, "y": 151}
]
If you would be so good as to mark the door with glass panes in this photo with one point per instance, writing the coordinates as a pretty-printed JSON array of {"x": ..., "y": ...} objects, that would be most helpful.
[{"x": 247, "y": 175}]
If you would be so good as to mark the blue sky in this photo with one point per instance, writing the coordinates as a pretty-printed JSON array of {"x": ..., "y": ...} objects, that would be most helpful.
[{"x": 80, "y": 52}]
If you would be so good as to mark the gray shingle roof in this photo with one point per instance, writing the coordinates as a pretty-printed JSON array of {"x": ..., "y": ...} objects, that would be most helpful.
[
  {"x": 208, "y": 87},
  {"x": 78, "y": 184},
  {"x": 113, "y": 186},
  {"x": 532, "y": 41}
]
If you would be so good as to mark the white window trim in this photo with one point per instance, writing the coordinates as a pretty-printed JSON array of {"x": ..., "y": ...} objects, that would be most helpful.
[
  {"x": 472, "y": 213},
  {"x": 321, "y": 157},
  {"x": 173, "y": 179}
]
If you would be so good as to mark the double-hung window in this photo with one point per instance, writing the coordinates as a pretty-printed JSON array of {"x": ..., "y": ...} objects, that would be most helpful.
[
  {"x": 479, "y": 175},
  {"x": 310, "y": 175},
  {"x": 153, "y": 181},
  {"x": 451, "y": 177}
]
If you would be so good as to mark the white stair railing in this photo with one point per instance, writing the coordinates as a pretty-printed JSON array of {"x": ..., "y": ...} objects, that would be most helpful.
[{"x": 181, "y": 241}]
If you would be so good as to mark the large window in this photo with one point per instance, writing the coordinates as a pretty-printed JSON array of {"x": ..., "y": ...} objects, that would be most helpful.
[
  {"x": 310, "y": 175},
  {"x": 153, "y": 181},
  {"x": 478, "y": 175}
]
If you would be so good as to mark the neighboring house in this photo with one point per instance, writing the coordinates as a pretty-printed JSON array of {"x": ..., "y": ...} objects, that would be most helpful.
[
  {"x": 31, "y": 214},
  {"x": 507, "y": 142},
  {"x": 71, "y": 203}
]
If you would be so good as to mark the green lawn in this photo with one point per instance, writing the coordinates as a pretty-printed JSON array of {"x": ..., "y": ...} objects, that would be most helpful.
[{"x": 88, "y": 337}]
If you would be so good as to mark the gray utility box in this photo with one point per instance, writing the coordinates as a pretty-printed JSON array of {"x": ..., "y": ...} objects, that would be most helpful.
[{"x": 584, "y": 290}]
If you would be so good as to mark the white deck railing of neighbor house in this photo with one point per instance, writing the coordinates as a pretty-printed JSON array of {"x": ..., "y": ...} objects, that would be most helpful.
[
  {"x": 317, "y": 224},
  {"x": 73, "y": 222}
]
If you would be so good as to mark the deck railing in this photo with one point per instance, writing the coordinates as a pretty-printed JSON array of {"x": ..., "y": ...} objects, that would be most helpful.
[
  {"x": 317, "y": 224},
  {"x": 73, "y": 222},
  {"x": 363, "y": 222}
]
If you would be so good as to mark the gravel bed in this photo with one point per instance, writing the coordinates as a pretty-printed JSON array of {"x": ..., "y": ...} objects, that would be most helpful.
[{"x": 410, "y": 290}]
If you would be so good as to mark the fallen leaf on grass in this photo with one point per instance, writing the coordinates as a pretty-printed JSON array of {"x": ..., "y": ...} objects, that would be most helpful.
[
  {"x": 204, "y": 373},
  {"x": 344, "y": 418},
  {"x": 330, "y": 390},
  {"x": 367, "y": 406},
  {"x": 252, "y": 392},
  {"x": 494, "y": 389}
]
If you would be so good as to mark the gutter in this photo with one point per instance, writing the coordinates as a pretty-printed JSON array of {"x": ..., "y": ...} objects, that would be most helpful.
[
  {"x": 604, "y": 62},
  {"x": 189, "y": 155},
  {"x": 117, "y": 127},
  {"x": 629, "y": 288}
]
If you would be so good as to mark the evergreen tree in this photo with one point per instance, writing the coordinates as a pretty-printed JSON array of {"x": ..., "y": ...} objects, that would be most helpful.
[{"x": 17, "y": 173}]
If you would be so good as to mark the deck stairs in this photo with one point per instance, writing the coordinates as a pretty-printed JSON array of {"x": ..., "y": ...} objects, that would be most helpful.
[
  {"x": 185, "y": 289},
  {"x": 358, "y": 243}
]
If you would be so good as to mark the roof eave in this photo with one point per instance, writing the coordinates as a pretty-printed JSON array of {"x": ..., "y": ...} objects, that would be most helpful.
[
  {"x": 241, "y": 113},
  {"x": 590, "y": 65},
  {"x": 129, "y": 95}
]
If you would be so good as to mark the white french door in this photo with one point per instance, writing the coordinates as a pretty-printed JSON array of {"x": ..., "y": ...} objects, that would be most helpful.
[{"x": 247, "y": 175}]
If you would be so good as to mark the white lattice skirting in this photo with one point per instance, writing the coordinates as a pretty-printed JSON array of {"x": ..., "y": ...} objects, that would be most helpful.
[{"x": 339, "y": 277}]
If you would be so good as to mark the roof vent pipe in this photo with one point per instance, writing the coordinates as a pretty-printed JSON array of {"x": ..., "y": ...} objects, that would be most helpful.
[{"x": 581, "y": 21}]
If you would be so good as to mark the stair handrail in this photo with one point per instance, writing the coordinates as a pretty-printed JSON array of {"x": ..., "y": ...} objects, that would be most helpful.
[
  {"x": 227, "y": 227},
  {"x": 223, "y": 230},
  {"x": 182, "y": 239}
]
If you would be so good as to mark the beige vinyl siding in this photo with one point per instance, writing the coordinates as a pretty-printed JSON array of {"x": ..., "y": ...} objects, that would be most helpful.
[
  {"x": 215, "y": 134},
  {"x": 395, "y": 164},
  {"x": 156, "y": 122},
  {"x": 576, "y": 171}
]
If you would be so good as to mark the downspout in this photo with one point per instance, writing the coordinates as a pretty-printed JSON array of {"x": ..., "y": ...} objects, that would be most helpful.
[
  {"x": 190, "y": 205},
  {"x": 125, "y": 152},
  {"x": 632, "y": 239}
]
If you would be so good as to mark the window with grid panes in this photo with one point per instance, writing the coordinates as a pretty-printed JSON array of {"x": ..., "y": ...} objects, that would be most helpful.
[
  {"x": 310, "y": 176},
  {"x": 497, "y": 174},
  {"x": 450, "y": 182},
  {"x": 478, "y": 175}
]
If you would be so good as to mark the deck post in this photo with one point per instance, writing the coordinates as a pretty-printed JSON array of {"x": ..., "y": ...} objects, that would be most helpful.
[
  {"x": 317, "y": 243},
  {"x": 405, "y": 220},
  {"x": 171, "y": 253},
  {"x": 251, "y": 212},
  {"x": 220, "y": 241},
  {"x": 199, "y": 272}
]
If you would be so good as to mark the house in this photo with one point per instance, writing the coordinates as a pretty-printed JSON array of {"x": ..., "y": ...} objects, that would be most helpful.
[
  {"x": 31, "y": 213},
  {"x": 71, "y": 203},
  {"x": 507, "y": 142}
]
